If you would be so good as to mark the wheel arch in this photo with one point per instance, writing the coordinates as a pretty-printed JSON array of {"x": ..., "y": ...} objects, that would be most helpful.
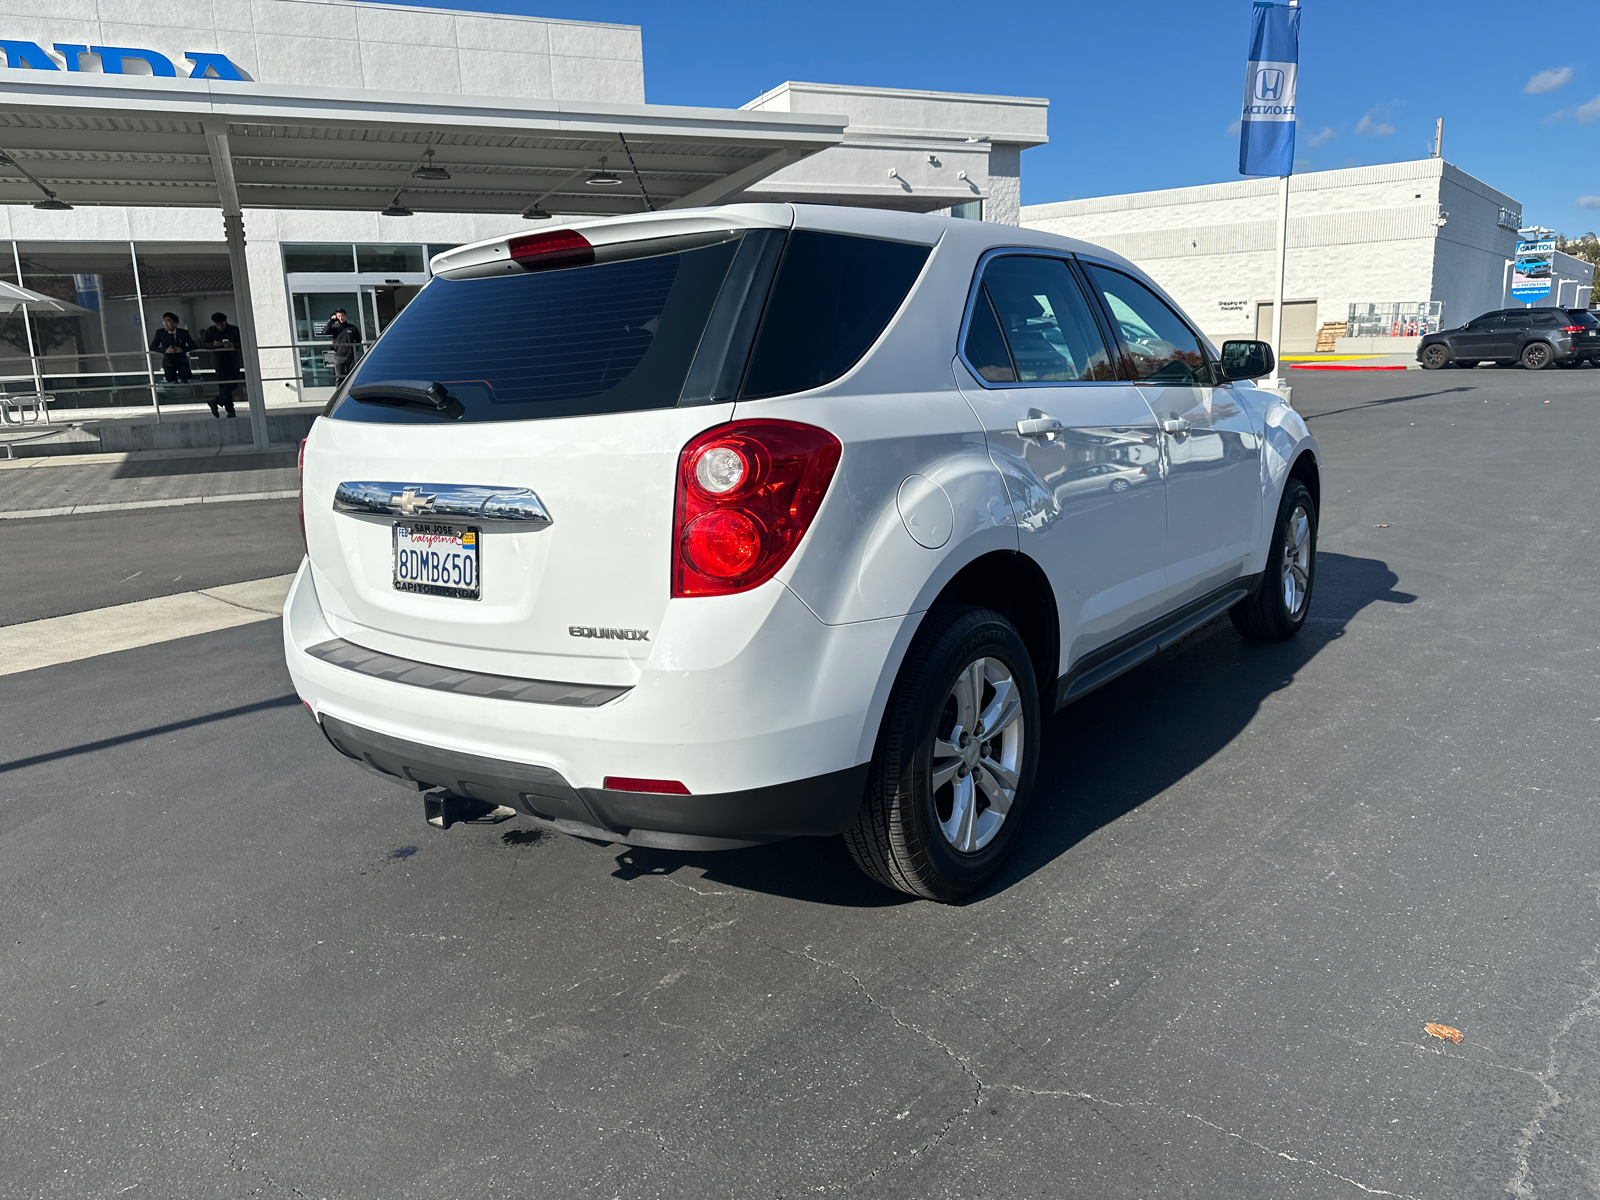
[
  {"x": 1305, "y": 469},
  {"x": 1015, "y": 586}
]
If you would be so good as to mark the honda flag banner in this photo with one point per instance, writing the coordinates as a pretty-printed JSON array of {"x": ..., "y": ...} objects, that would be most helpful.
[{"x": 1266, "y": 128}]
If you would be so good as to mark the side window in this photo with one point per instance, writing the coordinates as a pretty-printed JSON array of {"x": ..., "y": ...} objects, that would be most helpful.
[
  {"x": 1045, "y": 320},
  {"x": 833, "y": 296},
  {"x": 986, "y": 347},
  {"x": 1161, "y": 348},
  {"x": 1487, "y": 321},
  {"x": 1515, "y": 320}
]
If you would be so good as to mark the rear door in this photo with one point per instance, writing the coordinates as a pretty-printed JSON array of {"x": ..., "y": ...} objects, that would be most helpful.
[
  {"x": 1077, "y": 447},
  {"x": 1211, "y": 441},
  {"x": 524, "y": 430}
]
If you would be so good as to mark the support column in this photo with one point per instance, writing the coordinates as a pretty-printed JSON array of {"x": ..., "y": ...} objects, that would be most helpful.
[
  {"x": 244, "y": 317},
  {"x": 1280, "y": 377}
]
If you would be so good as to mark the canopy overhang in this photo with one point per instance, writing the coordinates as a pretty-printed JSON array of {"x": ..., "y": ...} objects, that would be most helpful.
[{"x": 131, "y": 140}]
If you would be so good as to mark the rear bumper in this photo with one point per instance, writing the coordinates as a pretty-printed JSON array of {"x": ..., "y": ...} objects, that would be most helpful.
[
  {"x": 766, "y": 715},
  {"x": 820, "y": 806}
]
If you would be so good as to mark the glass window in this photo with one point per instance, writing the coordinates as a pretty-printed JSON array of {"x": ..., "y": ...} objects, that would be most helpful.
[
  {"x": 1160, "y": 347},
  {"x": 325, "y": 257},
  {"x": 391, "y": 260},
  {"x": 972, "y": 210},
  {"x": 440, "y": 247},
  {"x": 986, "y": 346},
  {"x": 617, "y": 337},
  {"x": 1516, "y": 320},
  {"x": 193, "y": 282},
  {"x": 834, "y": 295},
  {"x": 1487, "y": 321},
  {"x": 1046, "y": 320}
]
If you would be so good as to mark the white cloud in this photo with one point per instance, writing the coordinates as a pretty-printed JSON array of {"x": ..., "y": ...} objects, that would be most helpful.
[
  {"x": 1321, "y": 138},
  {"x": 1232, "y": 130},
  {"x": 1548, "y": 81},
  {"x": 1588, "y": 113},
  {"x": 1372, "y": 127},
  {"x": 1589, "y": 202}
]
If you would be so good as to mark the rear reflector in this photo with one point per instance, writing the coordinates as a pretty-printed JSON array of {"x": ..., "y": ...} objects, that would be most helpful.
[
  {"x": 623, "y": 783},
  {"x": 558, "y": 248}
]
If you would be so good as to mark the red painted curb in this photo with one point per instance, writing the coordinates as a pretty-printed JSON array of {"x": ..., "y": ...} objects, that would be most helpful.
[{"x": 1338, "y": 367}]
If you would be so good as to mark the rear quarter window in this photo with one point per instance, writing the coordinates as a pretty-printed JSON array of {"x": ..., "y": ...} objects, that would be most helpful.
[{"x": 833, "y": 296}]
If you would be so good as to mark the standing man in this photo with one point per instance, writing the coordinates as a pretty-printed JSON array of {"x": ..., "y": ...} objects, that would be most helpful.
[
  {"x": 173, "y": 344},
  {"x": 346, "y": 337},
  {"x": 222, "y": 340}
]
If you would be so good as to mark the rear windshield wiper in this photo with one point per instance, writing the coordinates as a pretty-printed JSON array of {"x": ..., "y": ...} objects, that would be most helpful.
[{"x": 405, "y": 392}]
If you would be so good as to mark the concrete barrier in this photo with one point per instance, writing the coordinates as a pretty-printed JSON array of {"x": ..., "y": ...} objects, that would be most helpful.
[{"x": 173, "y": 432}]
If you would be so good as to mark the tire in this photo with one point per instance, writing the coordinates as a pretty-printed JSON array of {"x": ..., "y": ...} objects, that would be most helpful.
[
  {"x": 1462, "y": 364},
  {"x": 913, "y": 833},
  {"x": 1567, "y": 364},
  {"x": 1536, "y": 356},
  {"x": 1435, "y": 356},
  {"x": 1279, "y": 607},
  {"x": 1121, "y": 485}
]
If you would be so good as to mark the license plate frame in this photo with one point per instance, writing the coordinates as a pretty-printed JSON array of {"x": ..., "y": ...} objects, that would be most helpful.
[{"x": 457, "y": 577}]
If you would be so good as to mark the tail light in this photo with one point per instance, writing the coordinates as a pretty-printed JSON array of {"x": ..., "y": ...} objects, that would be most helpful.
[
  {"x": 558, "y": 248},
  {"x": 1572, "y": 329},
  {"x": 746, "y": 494},
  {"x": 302, "y": 468}
]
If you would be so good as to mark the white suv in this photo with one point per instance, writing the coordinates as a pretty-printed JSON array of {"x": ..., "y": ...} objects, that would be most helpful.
[{"x": 707, "y": 528}]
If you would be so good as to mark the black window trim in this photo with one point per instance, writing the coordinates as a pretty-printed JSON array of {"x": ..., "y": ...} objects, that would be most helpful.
[
  {"x": 1206, "y": 352},
  {"x": 975, "y": 292}
]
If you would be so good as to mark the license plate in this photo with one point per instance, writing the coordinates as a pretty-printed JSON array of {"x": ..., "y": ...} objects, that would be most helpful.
[{"x": 437, "y": 560}]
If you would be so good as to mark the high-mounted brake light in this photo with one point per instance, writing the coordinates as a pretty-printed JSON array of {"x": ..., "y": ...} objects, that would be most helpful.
[
  {"x": 558, "y": 248},
  {"x": 301, "y": 466},
  {"x": 746, "y": 495}
]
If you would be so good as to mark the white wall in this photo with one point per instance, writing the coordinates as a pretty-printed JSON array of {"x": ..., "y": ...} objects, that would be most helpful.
[
  {"x": 929, "y": 139},
  {"x": 345, "y": 43},
  {"x": 1360, "y": 235}
]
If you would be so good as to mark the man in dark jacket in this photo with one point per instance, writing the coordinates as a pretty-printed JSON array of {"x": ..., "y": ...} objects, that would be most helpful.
[
  {"x": 222, "y": 340},
  {"x": 173, "y": 344},
  {"x": 346, "y": 337}
]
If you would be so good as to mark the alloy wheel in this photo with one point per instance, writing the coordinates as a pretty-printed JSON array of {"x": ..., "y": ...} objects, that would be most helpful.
[
  {"x": 1296, "y": 564},
  {"x": 977, "y": 754}
]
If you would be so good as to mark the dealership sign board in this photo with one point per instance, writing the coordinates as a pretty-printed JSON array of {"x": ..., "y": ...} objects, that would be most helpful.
[
  {"x": 116, "y": 60},
  {"x": 1531, "y": 274}
]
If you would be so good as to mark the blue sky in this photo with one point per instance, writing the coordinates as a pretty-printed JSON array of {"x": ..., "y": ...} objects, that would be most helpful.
[{"x": 1142, "y": 95}]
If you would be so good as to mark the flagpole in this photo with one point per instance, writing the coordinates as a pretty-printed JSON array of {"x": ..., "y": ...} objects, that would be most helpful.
[{"x": 1280, "y": 378}]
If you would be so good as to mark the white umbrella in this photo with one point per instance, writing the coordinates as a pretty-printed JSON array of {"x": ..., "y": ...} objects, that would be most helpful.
[{"x": 14, "y": 299}]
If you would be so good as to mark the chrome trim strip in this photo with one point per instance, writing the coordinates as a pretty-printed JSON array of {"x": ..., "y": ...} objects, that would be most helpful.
[
  {"x": 351, "y": 657},
  {"x": 441, "y": 500}
]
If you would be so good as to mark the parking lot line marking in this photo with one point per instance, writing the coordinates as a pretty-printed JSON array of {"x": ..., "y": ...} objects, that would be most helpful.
[
  {"x": 179, "y": 502},
  {"x": 56, "y": 640}
]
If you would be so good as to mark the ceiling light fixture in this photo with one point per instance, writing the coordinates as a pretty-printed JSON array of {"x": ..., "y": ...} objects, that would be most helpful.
[
  {"x": 603, "y": 177},
  {"x": 396, "y": 209},
  {"x": 428, "y": 171},
  {"x": 535, "y": 212}
]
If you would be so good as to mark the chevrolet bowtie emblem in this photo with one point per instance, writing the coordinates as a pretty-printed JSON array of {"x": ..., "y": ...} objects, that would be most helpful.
[{"x": 411, "y": 501}]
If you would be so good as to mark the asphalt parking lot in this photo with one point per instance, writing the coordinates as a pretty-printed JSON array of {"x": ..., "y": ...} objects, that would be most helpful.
[{"x": 233, "y": 964}]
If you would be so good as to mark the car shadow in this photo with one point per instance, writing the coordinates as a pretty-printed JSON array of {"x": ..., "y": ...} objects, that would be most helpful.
[
  {"x": 1102, "y": 757},
  {"x": 1382, "y": 401}
]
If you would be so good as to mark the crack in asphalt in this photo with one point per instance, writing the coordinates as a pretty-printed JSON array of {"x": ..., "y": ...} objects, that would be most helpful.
[
  {"x": 1169, "y": 1111},
  {"x": 1589, "y": 1006},
  {"x": 958, "y": 1059}
]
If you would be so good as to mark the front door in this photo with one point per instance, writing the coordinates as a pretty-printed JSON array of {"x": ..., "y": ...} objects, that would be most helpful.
[
  {"x": 1478, "y": 338},
  {"x": 1079, "y": 450},
  {"x": 1211, "y": 438}
]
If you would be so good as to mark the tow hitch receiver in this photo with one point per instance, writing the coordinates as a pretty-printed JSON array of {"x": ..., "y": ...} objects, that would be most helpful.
[{"x": 443, "y": 809}]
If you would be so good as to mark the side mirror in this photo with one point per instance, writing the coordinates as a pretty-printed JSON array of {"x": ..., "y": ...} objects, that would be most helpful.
[{"x": 1247, "y": 360}]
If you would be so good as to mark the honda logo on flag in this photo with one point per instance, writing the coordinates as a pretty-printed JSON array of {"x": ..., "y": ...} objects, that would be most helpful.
[{"x": 1269, "y": 84}]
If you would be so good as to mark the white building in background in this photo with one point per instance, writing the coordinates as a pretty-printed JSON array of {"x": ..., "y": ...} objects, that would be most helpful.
[
  {"x": 123, "y": 266},
  {"x": 1399, "y": 242}
]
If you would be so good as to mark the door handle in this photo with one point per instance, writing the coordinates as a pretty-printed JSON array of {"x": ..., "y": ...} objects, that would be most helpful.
[
  {"x": 1175, "y": 426},
  {"x": 1039, "y": 426}
]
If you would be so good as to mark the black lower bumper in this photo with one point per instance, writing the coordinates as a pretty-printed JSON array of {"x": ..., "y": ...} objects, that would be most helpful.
[{"x": 820, "y": 806}]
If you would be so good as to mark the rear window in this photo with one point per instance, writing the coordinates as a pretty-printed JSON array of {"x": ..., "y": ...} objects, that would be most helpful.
[
  {"x": 833, "y": 296},
  {"x": 618, "y": 337}
]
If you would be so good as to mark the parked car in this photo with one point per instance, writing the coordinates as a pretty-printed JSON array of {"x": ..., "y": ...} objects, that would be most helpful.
[
  {"x": 1587, "y": 343},
  {"x": 709, "y": 528},
  {"x": 1534, "y": 337}
]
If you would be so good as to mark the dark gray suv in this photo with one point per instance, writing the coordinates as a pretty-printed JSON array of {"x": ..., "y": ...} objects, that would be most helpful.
[{"x": 1533, "y": 337}]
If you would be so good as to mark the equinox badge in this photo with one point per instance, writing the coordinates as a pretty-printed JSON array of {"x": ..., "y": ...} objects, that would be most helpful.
[{"x": 621, "y": 635}]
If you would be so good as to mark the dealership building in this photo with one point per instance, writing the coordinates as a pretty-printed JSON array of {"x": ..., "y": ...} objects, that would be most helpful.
[
  {"x": 1388, "y": 251},
  {"x": 280, "y": 159}
]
